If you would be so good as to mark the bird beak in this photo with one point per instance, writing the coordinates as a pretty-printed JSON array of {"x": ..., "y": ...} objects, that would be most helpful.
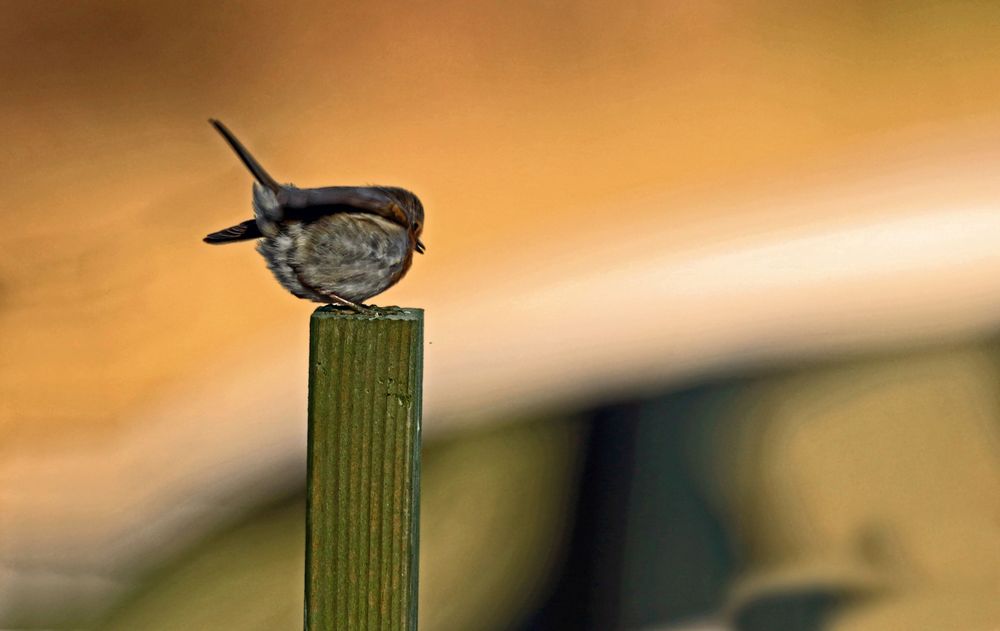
[{"x": 420, "y": 247}]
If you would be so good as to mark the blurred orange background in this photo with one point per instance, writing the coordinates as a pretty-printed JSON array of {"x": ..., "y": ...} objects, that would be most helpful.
[{"x": 620, "y": 198}]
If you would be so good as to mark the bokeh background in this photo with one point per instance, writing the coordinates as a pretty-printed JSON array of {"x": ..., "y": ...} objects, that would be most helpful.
[{"x": 712, "y": 291}]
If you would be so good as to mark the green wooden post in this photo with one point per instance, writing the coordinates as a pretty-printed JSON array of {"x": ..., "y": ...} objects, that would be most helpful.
[{"x": 362, "y": 519}]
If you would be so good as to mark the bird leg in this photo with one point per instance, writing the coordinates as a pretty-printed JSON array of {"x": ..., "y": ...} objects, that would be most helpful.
[{"x": 358, "y": 308}]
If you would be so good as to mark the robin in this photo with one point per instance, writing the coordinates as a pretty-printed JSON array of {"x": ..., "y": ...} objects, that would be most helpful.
[{"x": 336, "y": 244}]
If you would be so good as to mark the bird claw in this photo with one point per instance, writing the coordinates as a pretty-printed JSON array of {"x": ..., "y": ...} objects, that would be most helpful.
[{"x": 357, "y": 307}]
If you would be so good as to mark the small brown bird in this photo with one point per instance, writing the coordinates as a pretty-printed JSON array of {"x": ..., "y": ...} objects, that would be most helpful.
[{"x": 336, "y": 244}]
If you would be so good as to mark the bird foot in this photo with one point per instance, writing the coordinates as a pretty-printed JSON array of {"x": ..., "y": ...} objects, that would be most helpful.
[{"x": 356, "y": 307}]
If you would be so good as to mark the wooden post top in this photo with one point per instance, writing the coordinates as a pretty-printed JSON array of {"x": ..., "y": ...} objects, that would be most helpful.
[{"x": 376, "y": 313}]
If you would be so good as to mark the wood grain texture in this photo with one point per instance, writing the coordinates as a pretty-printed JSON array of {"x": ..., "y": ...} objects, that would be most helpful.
[{"x": 362, "y": 515}]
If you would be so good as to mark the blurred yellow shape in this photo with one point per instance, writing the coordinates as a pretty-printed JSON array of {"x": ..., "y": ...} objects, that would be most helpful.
[{"x": 878, "y": 476}]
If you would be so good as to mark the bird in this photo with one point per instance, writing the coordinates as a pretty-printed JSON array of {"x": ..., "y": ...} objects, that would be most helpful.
[{"x": 337, "y": 245}]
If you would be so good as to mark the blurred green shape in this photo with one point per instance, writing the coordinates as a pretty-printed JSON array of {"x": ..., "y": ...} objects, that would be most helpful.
[
  {"x": 494, "y": 508},
  {"x": 249, "y": 578}
]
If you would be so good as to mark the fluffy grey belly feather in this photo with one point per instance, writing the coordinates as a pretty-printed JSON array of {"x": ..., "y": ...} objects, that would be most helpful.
[{"x": 353, "y": 256}]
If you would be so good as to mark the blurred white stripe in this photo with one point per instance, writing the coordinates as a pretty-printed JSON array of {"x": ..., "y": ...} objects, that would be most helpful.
[{"x": 608, "y": 327}]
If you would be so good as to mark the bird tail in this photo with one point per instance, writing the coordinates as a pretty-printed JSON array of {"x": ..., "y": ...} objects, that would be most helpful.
[{"x": 244, "y": 155}]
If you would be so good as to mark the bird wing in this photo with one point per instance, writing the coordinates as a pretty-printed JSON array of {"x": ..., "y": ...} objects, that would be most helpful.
[
  {"x": 309, "y": 204},
  {"x": 240, "y": 232}
]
